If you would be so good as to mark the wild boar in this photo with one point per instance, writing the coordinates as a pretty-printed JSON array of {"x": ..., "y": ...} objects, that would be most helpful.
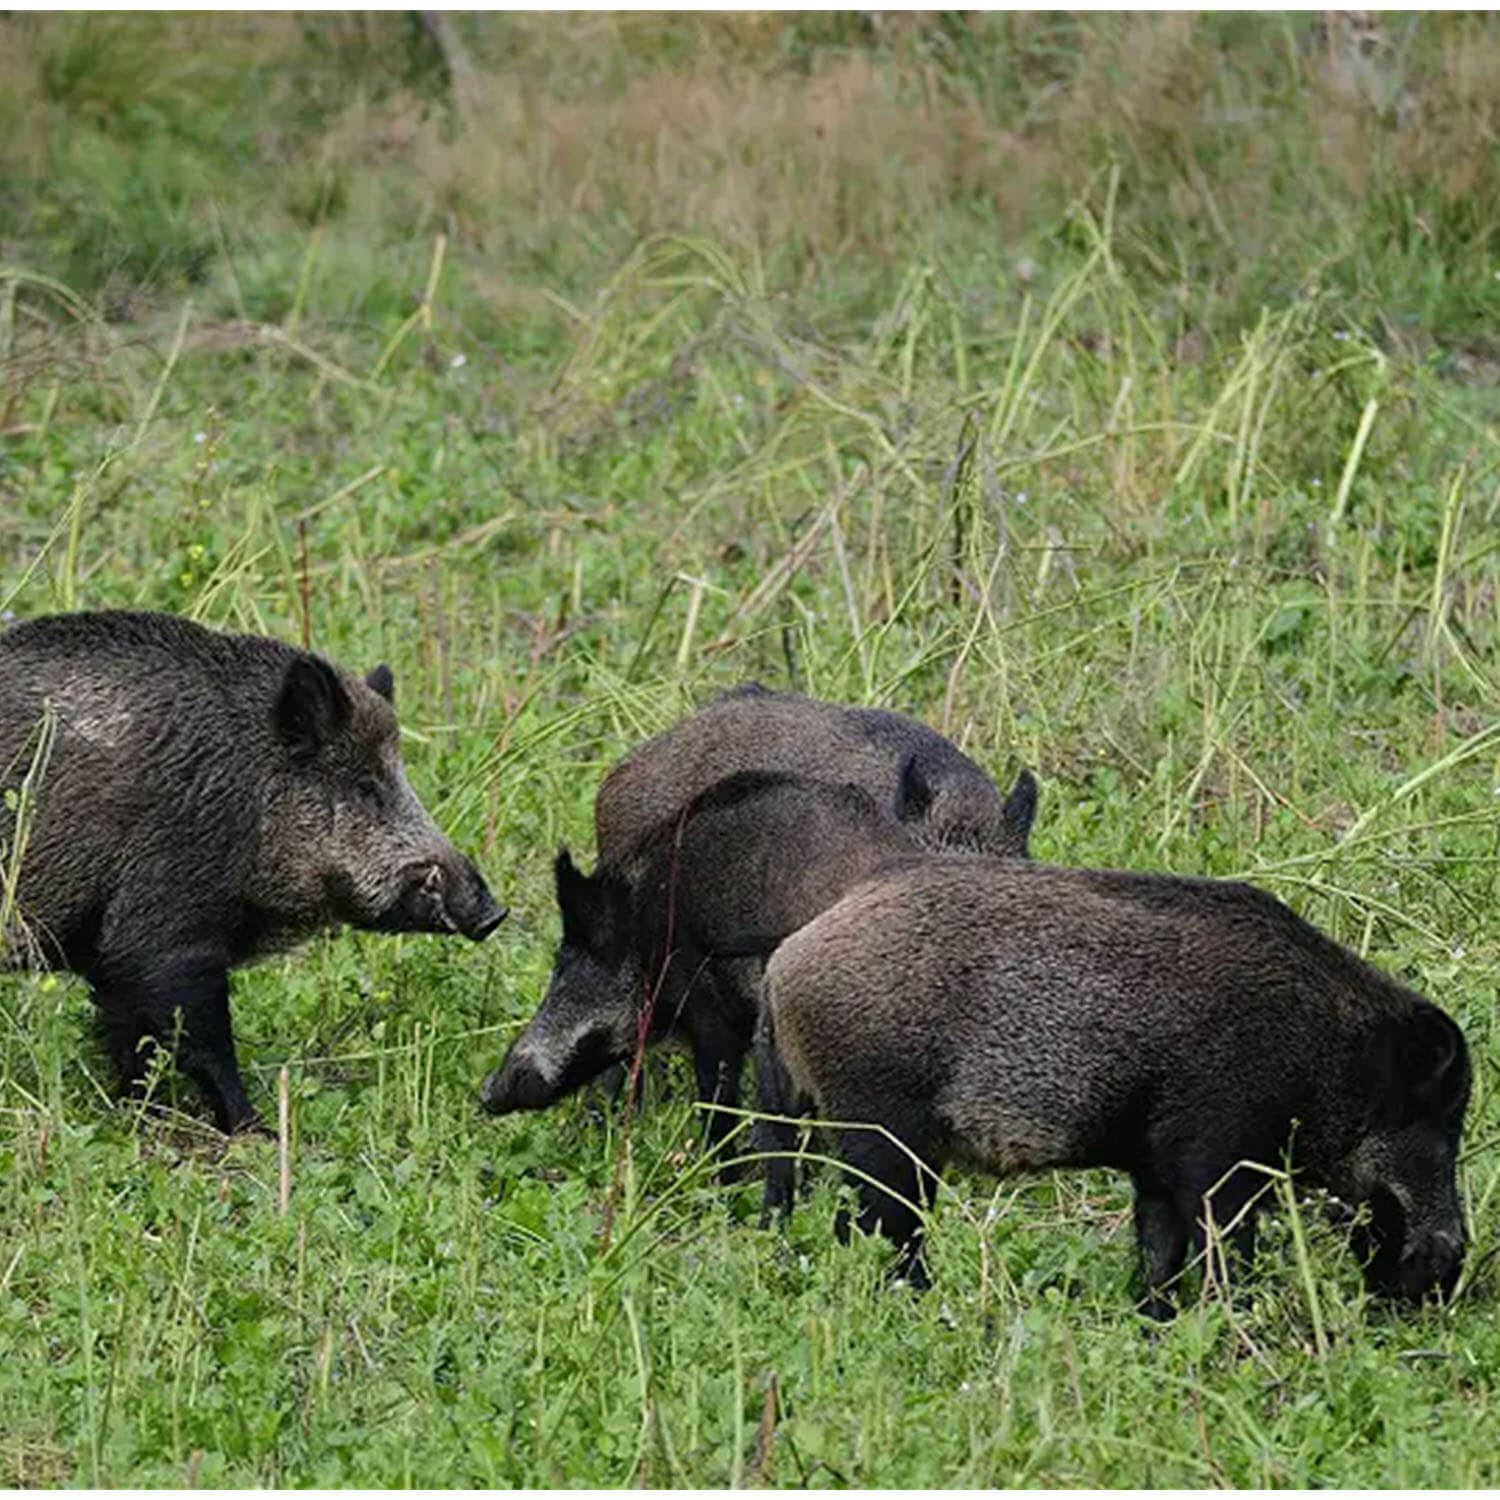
[
  {"x": 754, "y": 729},
  {"x": 207, "y": 798},
  {"x": 1020, "y": 1016},
  {"x": 678, "y": 932}
]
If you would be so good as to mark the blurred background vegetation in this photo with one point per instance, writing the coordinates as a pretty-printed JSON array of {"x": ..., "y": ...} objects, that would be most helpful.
[{"x": 142, "y": 156}]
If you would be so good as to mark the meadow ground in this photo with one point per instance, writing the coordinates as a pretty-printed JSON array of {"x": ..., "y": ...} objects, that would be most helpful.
[{"x": 1118, "y": 394}]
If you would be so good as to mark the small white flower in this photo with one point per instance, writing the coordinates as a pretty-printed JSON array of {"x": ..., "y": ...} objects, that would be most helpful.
[
  {"x": 1317, "y": 484},
  {"x": 1020, "y": 497},
  {"x": 458, "y": 361},
  {"x": 1458, "y": 950},
  {"x": 1340, "y": 335},
  {"x": 200, "y": 437}
]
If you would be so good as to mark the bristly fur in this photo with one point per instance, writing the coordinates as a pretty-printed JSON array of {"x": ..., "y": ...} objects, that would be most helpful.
[
  {"x": 1024, "y": 1016},
  {"x": 210, "y": 798},
  {"x": 752, "y": 728},
  {"x": 688, "y": 915}
]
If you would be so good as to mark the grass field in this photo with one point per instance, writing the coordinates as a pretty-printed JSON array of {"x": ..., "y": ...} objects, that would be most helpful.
[{"x": 1117, "y": 394}]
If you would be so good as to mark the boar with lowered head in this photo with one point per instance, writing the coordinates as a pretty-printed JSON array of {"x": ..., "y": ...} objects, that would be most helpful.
[
  {"x": 201, "y": 799},
  {"x": 682, "y": 927},
  {"x": 1020, "y": 1016},
  {"x": 752, "y": 728}
]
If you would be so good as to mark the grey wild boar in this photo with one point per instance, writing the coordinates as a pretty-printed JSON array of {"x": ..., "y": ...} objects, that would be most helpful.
[
  {"x": 671, "y": 941},
  {"x": 1019, "y": 1016},
  {"x": 754, "y": 729},
  {"x": 206, "y": 798}
]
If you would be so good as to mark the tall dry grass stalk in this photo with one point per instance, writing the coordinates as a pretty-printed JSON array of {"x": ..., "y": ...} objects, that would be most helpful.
[{"x": 17, "y": 942}]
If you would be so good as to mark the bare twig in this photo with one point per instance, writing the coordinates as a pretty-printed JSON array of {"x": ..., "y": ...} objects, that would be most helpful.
[
  {"x": 306, "y": 590},
  {"x": 284, "y": 1138},
  {"x": 642, "y": 1033}
]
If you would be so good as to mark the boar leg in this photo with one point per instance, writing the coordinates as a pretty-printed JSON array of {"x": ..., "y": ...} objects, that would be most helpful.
[
  {"x": 719, "y": 1049},
  {"x": 775, "y": 1094},
  {"x": 717, "y": 1061},
  {"x": 128, "y": 1038},
  {"x": 1171, "y": 1225},
  {"x": 1161, "y": 1234},
  {"x": 895, "y": 1180},
  {"x": 183, "y": 996}
]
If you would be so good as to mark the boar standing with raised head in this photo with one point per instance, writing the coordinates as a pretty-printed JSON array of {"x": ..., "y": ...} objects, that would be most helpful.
[
  {"x": 752, "y": 728},
  {"x": 207, "y": 798},
  {"x": 1025, "y": 1017}
]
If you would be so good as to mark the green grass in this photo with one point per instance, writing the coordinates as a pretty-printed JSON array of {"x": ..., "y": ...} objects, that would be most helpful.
[{"x": 583, "y": 411}]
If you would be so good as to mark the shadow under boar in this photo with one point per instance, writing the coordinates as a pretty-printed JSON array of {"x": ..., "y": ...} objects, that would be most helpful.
[
  {"x": 683, "y": 927},
  {"x": 752, "y": 728},
  {"x": 1020, "y": 1017},
  {"x": 207, "y": 798}
]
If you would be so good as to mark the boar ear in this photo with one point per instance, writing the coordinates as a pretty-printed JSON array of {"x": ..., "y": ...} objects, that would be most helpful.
[
  {"x": 914, "y": 794},
  {"x": 1420, "y": 1066},
  {"x": 1019, "y": 813},
  {"x": 311, "y": 706},
  {"x": 380, "y": 680},
  {"x": 595, "y": 908},
  {"x": 1437, "y": 1060},
  {"x": 568, "y": 876},
  {"x": 576, "y": 900}
]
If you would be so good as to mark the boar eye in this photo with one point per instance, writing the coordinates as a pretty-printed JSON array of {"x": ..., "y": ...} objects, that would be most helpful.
[{"x": 367, "y": 788}]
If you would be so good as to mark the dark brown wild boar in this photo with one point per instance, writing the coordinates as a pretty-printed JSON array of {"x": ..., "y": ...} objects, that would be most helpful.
[
  {"x": 752, "y": 728},
  {"x": 1020, "y": 1016},
  {"x": 685, "y": 923},
  {"x": 207, "y": 798}
]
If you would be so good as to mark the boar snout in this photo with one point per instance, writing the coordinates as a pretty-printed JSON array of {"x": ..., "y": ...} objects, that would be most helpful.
[
  {"x": 515, "y": 1085},
  {"x": 1404, "y": 1263},
  {"x": 557, "y": 1053},
  {"x": 474, "y": 911},
  {"x": 1430, "y": 1265},
  {"x": 449, "y": 896}
]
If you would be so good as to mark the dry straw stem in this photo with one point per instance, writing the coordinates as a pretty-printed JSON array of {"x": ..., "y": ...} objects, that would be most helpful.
[
  {"x": 422, "y": 317},
  {"x": 166, "y": 374},
  {"x": 1452, "y": 508},
  {"x": 16, "y": 941},
  {"x": 774, "y": 582},
  {"x": 1351, "y": 464},
  {"x": 1474, "y": 745},
  {"x": 269, "y": 333},
  {"x": 283, "y": 1141}
]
